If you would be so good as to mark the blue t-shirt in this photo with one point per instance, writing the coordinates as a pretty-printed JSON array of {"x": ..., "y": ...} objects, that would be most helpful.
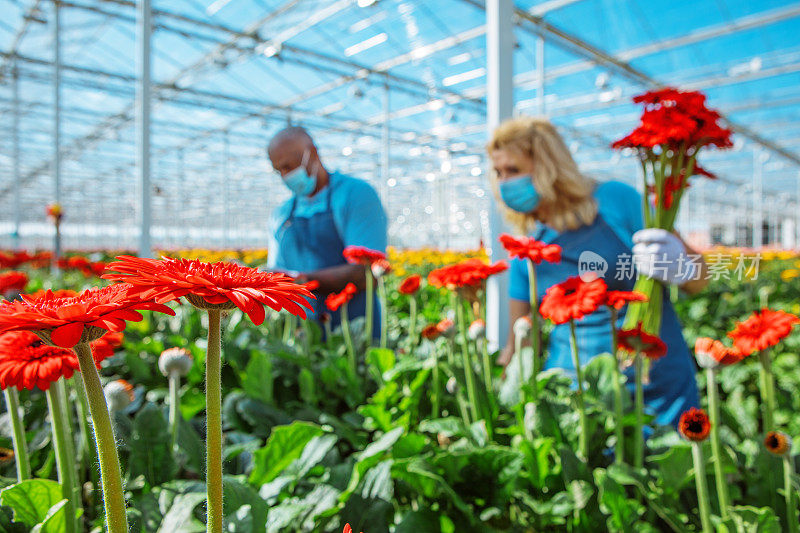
[
  {"x": 619, "y": 204},
  {"x": 357, "y": 213}
]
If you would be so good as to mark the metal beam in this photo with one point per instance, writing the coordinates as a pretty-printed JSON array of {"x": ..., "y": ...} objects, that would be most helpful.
[{"x": 143, "y": 105}]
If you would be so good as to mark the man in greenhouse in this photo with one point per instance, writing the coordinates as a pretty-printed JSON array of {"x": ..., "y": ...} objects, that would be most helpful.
[{"x": 327, "y": 212}]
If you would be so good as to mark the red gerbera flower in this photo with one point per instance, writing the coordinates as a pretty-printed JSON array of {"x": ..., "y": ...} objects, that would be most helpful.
[
  {"x": 694, "y": 425},
  {"x": 572, "y": 299},
  {"x": 467, "y": 273},
  {"x": 529, "y": 248},
  {"x": 761, "y": 330},
  {"x": 12, "y": 282},
  {"x": 360, "y": 255},
  {"x": 618, "y": 299},
  {"x": 637, "y": 340},
  {"x": 27, "y": 362},
  {"x": 211, "y": 285},
  {"x": 410, "y": 285},
  {"x": 348, "y": 529},
  {"x": 58, "y": 293},
  {"x": 335, "y": 300},
  {"x": 105, "y": 346},
  {"x": 54, "y": 212},
  {"x": 312, "y": 285},
  {"x": 711, "y": 353},
  {"x": 68, "y": 321},
  {"x": 430, "y": 332}
]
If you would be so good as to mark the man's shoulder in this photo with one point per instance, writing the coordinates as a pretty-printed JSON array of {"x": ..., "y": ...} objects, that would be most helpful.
[{"x": 345, "y": 182}]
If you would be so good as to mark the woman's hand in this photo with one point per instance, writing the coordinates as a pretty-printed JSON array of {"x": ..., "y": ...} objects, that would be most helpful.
[{"x": 664, "y": 256}]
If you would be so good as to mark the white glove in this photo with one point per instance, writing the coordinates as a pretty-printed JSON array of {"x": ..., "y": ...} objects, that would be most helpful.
[{"x": 660, "y": 255}]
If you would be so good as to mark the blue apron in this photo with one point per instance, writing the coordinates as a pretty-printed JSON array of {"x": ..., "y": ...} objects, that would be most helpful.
[
  {"x": 672, "y": 388},
  {"x": 312, "y": 243}
]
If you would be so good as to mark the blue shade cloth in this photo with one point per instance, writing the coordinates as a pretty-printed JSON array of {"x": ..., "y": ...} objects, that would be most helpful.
[
  {"x": 672, "y": 389},
  {"x": 309, "y": 234}
]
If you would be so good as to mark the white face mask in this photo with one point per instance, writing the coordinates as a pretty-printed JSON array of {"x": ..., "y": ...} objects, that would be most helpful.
[{"x": 298, "y": 180}]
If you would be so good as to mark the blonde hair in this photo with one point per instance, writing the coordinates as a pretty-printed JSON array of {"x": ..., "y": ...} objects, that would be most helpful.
[{"x": 566, "y": 196}]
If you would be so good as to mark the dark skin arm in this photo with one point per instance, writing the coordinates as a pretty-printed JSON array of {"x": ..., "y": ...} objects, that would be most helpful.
[{"x": 334, "y": 279}]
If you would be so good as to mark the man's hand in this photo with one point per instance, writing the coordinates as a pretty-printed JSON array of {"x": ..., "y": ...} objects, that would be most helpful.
[{"x": 661, "y": 255}]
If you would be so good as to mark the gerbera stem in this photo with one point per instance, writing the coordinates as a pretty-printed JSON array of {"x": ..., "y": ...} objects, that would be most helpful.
[
  {"x": 619, "y": 452},
  {"x": 469, "y": 372},
  {"x": 88, "y": 450},
  {"x": 702, "y": 487},
  {"x": 64, "y": 458},
  {"x": 789, "y": 494},
  {"x": 584, "y": 434},
  {"x": 767, "y": 389},
  {"x": 435, "y": 377},
  {"x": 716, "y": 445},
  {"x": 535, "y": 333},
  {"x": 368, "y": 310},
  {"x": 384, "y": 312},
  {"x": 174, "y": 408},
  {"x": 487, "y": 370},
  {"x": 638, "y": 435},
  {"x": 348, "y": 341},
  {"x": 412, "y": 327},
  {"x": 18, "y": 436},
  {"x": 214, "y": 423},
  {"x": 520, "y": 407},
  {"x": 111, "y": 480}
]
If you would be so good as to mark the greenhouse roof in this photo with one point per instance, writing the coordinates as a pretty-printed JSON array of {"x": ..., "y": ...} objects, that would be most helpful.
[{"x": 227, "y": 74}]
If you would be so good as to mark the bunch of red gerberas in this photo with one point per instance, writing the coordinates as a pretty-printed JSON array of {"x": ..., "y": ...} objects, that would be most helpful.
[
  {"x": 674, "y": 127},
  {"x": 70, "y": 323}
]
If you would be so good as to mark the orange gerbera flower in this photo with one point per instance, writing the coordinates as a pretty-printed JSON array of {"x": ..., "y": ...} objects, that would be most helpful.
[
  {"x": 694, "y": 425},
  {"x": 467, "y": 273},
  {"x": 335, "y": 300},
  {"x": 572, "y": 299},
  {"x": 67, "y": 321},
  {"x": 761, "y": 330},
  {"x": 529, "y": 248},
  {"x": 211, "y": 285},
  {"x": 711, "y": 353},
  {"x": 12, "y": 282},
  {"x": 27, "y": 362},
  {"x": 410, "y": 285},
  {"x": 431, "y": 332},
  {"x": 618, "y": 299},
  {"x": 359, "y": 255},
  {"x": 638, "y": 340}
]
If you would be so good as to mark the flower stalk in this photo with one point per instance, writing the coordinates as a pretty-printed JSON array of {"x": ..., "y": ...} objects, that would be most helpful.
[
  {"x": 18, "y": 434},
  {"x": 214, "y": 422},
  {"x": 384, "y": 312},
  {"x": 348, "y": 341},
  {"x": 368, "y": 311},
  {"x": 702, "y": 487},
  {"x": 65, "y": 459},
  {"x": 583, "y": 446},
  {"x": 619, "y": 447},
  {"x": 469, "y": 372},
  {"x": 716, "y": 445},
  {"x": 789, "y": 494},
  {"x": 111, "y": 479},
  {"x": 767, "y": 379},
  {"x": 535, "y": 329},
  {"x": 412, "y": 319},
  {"x": 174, "y": 408},
  {"x": 638, "y": 364}
]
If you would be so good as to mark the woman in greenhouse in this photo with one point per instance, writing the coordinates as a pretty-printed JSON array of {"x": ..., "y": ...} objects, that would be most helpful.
[{"x": 545, "y": 195}]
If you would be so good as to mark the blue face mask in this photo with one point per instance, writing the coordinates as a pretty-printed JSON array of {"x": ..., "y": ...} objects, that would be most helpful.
[
  {"x": 519, "y": 193},
  {"x": 299, "y": 181}
]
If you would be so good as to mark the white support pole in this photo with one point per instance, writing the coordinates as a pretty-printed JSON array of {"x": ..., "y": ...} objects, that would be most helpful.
[
  {"x": 385, "y": 148},
  {"x": 16, "y": 154},
  {"x": 758, "y": 198},
  {"x": 226, "y": 184},
  {"x": 499, "y": 106},
  {"x": 540, "y": 74},
  {"x": 145, "y": 28},
  {"x": 56, "y": 118}
]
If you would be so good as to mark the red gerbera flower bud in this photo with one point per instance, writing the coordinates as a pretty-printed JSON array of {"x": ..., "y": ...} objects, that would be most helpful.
[
  {"x": 529, "y": 248},
  {"x": 335, "y": 300},
  {"x": 711, "y": 353},
  {"x": 211, "y": 285},
  {"x": 430, "y": 332},
  {"x": 359, "y": 255},
  {"x": 761, "y": 330},
  {"x": 637, "y": 340},
  {"x": 410, "y": 285},
  {"x": 572, "y": 299},
  {"x": 694, "y": 425},
  {"x": 380, "y": 268},
  {"x": 778, "y": 443}
]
